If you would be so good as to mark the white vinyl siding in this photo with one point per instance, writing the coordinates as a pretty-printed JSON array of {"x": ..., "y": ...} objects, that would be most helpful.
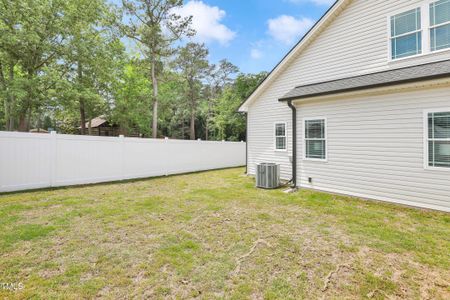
[
  {"x": 440, "y": 25},
  {"x": 438, "y": 139},
  {"x": 376, "y": 148},
  {"x": 406, "y": 34},
  {"x": 260, "y": 140}
]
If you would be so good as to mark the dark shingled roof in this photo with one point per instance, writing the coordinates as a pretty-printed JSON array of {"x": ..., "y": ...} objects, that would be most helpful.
[{"x": 398, "y": 76}]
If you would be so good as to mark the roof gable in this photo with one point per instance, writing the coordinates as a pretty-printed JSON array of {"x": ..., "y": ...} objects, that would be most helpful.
[{"x": 320, "y": 25}]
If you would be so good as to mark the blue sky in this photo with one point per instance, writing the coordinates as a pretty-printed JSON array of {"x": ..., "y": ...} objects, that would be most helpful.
[{"x": 253, "y": 34}]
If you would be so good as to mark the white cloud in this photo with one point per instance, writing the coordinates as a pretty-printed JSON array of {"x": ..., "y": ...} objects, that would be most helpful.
[
  {"x": 256, "y": 54},
  {"x": 287, "y": 29},
  {"x": 207, "y": 22}
]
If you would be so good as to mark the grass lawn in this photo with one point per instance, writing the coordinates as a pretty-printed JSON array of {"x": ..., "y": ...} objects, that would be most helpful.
[{"x": 213, "y": 235}]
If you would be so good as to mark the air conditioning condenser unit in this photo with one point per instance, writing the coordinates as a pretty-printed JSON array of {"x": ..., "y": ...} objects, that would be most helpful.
[{"x": 267, "y": 175}]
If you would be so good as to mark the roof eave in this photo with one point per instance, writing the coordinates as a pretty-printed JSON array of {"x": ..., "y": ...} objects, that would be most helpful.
[
  {"x": 243, "y": 109},
  {"x": 361, "y": 88}
]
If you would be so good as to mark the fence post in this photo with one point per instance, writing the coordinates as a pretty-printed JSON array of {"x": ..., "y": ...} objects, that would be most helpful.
[
  {"x": 122, "y": 156},
  {"x": 166, "y": 171},
  {"x": 53, "y": 157}
]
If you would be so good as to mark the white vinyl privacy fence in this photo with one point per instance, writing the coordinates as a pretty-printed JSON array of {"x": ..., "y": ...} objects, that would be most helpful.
[{"x": 29, "y": 161}]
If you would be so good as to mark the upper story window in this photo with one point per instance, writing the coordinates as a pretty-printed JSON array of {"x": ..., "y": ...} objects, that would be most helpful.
[
  {"x": 280, "y": 137},
  {"x": 406, "y": 34},
  {"x": 421, "y": 30},
  {"x": 440, "y": 25},
  {"x": 315, "y": 139},
  {"x": 439, "y": 139}
]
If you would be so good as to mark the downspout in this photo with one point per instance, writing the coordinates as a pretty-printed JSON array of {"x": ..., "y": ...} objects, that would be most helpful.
[
  {"x": 246, "y": 143},
  {"x": 294, "y": 144}
]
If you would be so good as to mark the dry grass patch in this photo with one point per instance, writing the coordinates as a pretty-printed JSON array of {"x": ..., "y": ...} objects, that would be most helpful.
[{"x": 213, "y": 235}]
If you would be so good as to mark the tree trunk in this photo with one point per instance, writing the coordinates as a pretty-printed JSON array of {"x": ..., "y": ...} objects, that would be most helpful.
[
  {"x": 193, "y": 107},
  {"x": 26, "y": 110},
  {"x": 208, "y": 117},
  {"x": 28, "y": 124},
  {"x": 155, "y": 119},
  {"x": 6, "y": 108},
  {"x": 5, "y": 103},
  {"x": 81, "y": 100},
  {"x": 192, "y": 129},
  {"x": 82, "y": 117},
  {"x": 11, "y": 119},
  {"x": 207, "y": 122},
  {"x": 23, "y": 121},
  {"x": 155, "y": 99},
  {"x": 39, "y": 122},
  {"x": 9, "y": 97},
  {"x": 182, "y": 129},
  {"x": 206, "y": 129},
  {"x": 24, "y": 117},
  {"x": 90, "y": 126}
]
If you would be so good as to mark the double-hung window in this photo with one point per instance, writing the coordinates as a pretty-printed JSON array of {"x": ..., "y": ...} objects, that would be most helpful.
[
  {"x": 422, "y": 30},
  {"x": 440, "y": 25},
  {"x": 315, "y": 139},
  {"x": 438, "y": 139},
  {"x": 406, "y": 34},
  {"x": 280, "y": 137}
]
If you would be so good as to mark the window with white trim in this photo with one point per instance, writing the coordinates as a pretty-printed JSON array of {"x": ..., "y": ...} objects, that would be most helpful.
[
  {"x": 406, "y": 34},
  {"x": 280, "y": 136},
  {"x": 440, "y": 25},
  {"x": 439, "y": 139},
  {"x": 315, "y": 139}
]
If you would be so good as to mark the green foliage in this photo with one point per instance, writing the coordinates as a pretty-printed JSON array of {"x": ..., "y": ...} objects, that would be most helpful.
[
  {"x": 218, "y": 78},
  {"x": 93, "y": 60},
  {"x": 192, "y": 64},
  {"x": 155, "y": 26},
  {"x": 63, "y": 63},
  {"x": 173, "y": 112},
  {"x": 42, "y": 45},
  {"x": 227, "y": 122},
  {"x": 31, "y": 40},
  {"x": 2, "y": 115},
  {"x": 132, "y": 99}
]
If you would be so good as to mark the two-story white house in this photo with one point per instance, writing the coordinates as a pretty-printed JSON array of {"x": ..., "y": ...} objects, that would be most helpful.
[{"x": 361, "y": 105}]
